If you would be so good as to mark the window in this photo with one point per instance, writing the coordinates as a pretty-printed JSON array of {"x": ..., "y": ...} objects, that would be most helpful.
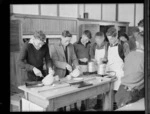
[
  {"x": 126, "y": 13},
  {"x": 139, "y": 13},
  {"x": 109, "y": 12},
  {"x": 26, "y": 9},
  {"x": 49, "y": 9},
  {"x": 68, "y": 10},
  {"x": 81, "y": 10},
  {"x": 94, "y": 11}
]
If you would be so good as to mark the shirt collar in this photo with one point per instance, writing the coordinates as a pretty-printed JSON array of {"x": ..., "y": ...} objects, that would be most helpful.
[
  {"x": 31, "y": 41},
  {"x": 102, "y": 45},
  {"x": 112, "y": 45}
]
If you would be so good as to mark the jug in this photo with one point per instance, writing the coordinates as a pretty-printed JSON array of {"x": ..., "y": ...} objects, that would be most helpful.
[{"x": 91, "y": 67}]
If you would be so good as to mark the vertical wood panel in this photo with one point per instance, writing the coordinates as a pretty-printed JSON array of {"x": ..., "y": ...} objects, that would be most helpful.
[
  {"x": 134, "y": 14},
  {"x": 101, "y": 11},
  {"x": 17, "y": 75},
  {"x": 15, "y": 35},
  {"x": 68, "y": 25},
  {"x": 58, "y": 10},
  {"x": 39, "y": 8},
  {"x": 116, "y": 12}
]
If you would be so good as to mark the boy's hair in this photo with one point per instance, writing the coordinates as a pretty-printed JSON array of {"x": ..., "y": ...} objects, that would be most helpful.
[
  {"x": 66, "y": 33},
  {"x": 124, "y": 34},
  {"x": 40, "y": 35},
  {"x": 88, "y": 34},
  {"x": 141, "y": 23},
  {"x": 112, "y": 31},
  {"x": 99, "y": 34}
]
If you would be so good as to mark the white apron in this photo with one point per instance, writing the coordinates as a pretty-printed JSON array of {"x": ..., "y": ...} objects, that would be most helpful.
[
  {"x": 115, "y": 63},
  {"x": 99, "y": 54}
]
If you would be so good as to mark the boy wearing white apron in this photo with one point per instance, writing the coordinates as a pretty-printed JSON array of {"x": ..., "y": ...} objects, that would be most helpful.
[
  {"x": 115, "y": 57},
  {"x": 98, "y": 54}
]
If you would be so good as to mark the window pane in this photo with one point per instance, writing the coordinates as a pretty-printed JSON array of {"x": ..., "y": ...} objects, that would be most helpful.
[
  {"x": 81, "y": 10},
  {"x": 126, "y": 13},
  {"x": 94, "y": 11},
  {"x": 68, "y": 10},
  {"x": 109, "y": 12},
  {"x": 26, "y": 9},
  {"x": 49, "y": 9},
  {"x": 139, "y": 13}
]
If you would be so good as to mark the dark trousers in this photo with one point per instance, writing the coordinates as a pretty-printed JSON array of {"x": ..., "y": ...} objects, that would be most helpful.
[{"x": 124, "y": 97}]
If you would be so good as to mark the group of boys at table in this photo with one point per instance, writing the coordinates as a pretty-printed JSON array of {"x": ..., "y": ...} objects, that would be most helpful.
[{"x": 123, "y": 55}]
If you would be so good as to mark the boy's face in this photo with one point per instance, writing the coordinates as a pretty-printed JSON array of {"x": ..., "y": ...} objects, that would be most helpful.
[
  {"x": 38, "y": 43},
  {"x": 99, "y": 39},
  {"x": 135, "y": 34},
  {"x": 112, "y": 39},
  {"x": 65, "y": 40},
  {"x": 84, "y": 39}
]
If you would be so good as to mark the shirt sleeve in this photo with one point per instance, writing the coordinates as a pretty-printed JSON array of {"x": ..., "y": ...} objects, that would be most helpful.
[
  {"x": 74, "y": 58},
  {"x": 48, "y": 60},
  {"x": 75, "y": 49},
  {"x": 22, "y": 59},
  {"x": 126, "y": 49}
]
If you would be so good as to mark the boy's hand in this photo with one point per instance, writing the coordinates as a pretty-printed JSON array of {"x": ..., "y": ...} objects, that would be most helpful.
[{"x": 37, "y": 72}]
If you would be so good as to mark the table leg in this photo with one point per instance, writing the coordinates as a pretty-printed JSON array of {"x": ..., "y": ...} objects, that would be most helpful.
[
  {"x": 67, "y": 108},
  {"x": 26, "y": 95},
  {"x": 50, "y": 107},
  {"x": 108, "y": 100}
]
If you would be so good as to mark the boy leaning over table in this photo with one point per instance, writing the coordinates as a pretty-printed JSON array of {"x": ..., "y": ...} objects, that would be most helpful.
[{"x": 32, "y": 55}]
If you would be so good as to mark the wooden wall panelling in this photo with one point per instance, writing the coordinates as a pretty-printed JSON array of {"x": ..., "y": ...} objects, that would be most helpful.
[
  {"x": 68, "y": 25},
  {"x": 15, "y": 35},
  {"x": 17, "y": 75},
  {"x": 50, "y": 26},
  {"x": 36, "y": 25},
  {"x": 26, "y": 26}
]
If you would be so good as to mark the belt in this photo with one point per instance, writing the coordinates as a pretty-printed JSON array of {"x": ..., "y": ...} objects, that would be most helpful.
[{"x": 83, "y": 63}]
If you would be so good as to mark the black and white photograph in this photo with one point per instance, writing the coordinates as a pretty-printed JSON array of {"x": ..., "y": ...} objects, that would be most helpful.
[{"x": 77, "y": 57}]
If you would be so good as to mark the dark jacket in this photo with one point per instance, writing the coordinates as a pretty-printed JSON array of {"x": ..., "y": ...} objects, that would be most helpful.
[
  {"x": 82, "y": 51},
  {"x": 30, "y": 58},
  {"x": 59, "y": 58}
]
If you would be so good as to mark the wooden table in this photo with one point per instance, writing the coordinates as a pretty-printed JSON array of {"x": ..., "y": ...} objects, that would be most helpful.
[{"x": 50, "y": 100}]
